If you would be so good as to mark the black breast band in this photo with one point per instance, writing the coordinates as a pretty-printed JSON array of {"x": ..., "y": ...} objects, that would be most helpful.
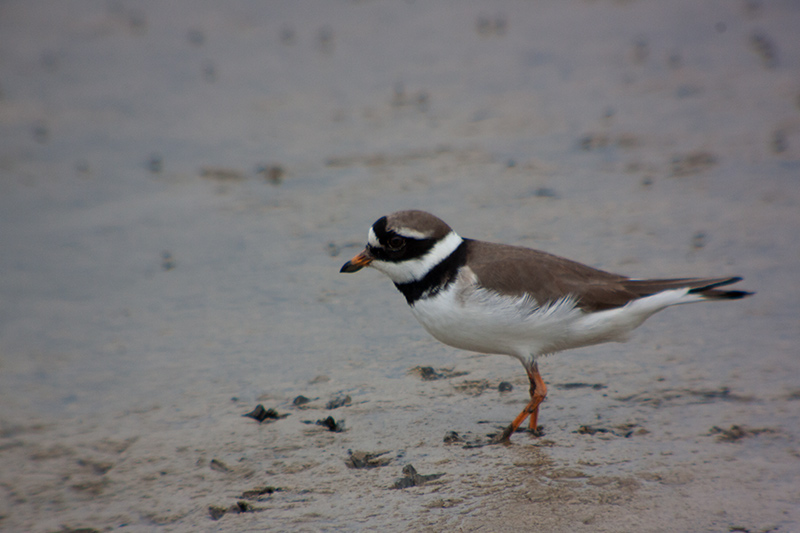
[{"x": 437, "y": 279}]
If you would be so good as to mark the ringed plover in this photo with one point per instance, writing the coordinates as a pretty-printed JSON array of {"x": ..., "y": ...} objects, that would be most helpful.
[{"x": 495, "y": 298}]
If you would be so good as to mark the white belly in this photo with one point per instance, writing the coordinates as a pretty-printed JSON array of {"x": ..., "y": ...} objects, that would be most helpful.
[
  {"x": 489, "y": 323},
  {"x": 482, "y": 321}
]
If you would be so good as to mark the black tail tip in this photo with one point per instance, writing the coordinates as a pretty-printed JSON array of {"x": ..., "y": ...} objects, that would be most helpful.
[
  {"x": 712, "y": 292},
  {"x": 732, "y": 295}
]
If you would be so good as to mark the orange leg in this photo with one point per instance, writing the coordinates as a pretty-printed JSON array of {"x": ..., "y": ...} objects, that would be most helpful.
[{"x": 538, "y": 393}]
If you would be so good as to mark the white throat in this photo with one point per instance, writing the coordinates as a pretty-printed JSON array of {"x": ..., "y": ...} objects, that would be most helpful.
[{"x": 416, "y": 269}]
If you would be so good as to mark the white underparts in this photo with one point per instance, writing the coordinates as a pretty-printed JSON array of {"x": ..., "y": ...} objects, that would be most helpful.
[{"x": 469, "y": 317}]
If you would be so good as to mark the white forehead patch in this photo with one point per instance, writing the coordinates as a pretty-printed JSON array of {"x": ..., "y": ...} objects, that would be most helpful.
[
  {"x": 409, "y": 233},
  {"x": 416, "y": 269},
  {"x": 372, "y": 239},
  {"x": 412, "y": 233}
]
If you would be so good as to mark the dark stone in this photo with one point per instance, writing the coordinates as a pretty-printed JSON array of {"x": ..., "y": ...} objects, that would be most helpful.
[
  {"x": 339, "y": 401},
  {"x": 366, "y": 459},
  {"x": 261, "y": 414},
  {"x": 413, "y": 479},
  {"x": 331, "y": 424},
  {"x": 300, "y": 400},
  {"x": 451, "y": 436}
]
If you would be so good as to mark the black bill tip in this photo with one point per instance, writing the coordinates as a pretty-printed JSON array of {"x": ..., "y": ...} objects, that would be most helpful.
[{"x": 358, "y": 262}]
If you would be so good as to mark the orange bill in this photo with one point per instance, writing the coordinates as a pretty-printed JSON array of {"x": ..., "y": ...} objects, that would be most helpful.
[{"x": 358, "y": 262}]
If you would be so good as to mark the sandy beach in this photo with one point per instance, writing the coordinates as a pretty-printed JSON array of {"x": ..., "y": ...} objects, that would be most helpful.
[{"x": 180, "y": 183}]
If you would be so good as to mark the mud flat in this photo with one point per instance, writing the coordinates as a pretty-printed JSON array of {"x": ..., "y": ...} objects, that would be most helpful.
[{"x": 180, "y": 183}]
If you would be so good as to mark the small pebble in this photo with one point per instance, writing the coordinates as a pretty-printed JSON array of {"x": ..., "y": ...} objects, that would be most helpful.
[
  {"x": 167, "y": 261},
  {"x": 429, "y": 374},
  {"x": 219, "y": 466},
  {"x": 331, "y": 424},
  {"x": 505, "y": 386},
  {"x": 413, "y": 479},
  {"x": 273, "y": 174},
  {"x": 359, "y": 459},
  {"x": 339, "y": 401},
  {"x": 545, "y": 192},
  {"x": 155, "y": 164},
  {"x": 300, "y": 401},
  {"x": 261, "y": 414},
  {"x": 451, "y": 436},
  {"x": 765, "y": 48},
  {"x": 699, "y": 240}
]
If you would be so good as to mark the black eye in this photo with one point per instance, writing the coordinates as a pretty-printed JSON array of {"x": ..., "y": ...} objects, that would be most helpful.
[{"x": 396, "y": 242}]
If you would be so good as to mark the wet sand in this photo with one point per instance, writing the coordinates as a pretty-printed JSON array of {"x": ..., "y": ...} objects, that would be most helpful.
[{"x": 181, "y": 183}]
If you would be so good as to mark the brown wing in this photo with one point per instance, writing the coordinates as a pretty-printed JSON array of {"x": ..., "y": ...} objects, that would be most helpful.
[
  {"x": 516, "y": 270},
  {"x": 705, "y": 287}
]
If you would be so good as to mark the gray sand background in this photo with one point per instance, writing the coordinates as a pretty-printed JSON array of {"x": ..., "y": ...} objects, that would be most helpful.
[{"x": 181, "y": 181}]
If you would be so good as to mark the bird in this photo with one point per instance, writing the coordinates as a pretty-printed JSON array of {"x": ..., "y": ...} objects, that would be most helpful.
[{"x": 501, "y": 299}]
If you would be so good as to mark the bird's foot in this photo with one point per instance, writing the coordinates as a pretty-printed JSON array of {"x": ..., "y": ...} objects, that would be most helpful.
[{"x": 505, "y": 437}]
